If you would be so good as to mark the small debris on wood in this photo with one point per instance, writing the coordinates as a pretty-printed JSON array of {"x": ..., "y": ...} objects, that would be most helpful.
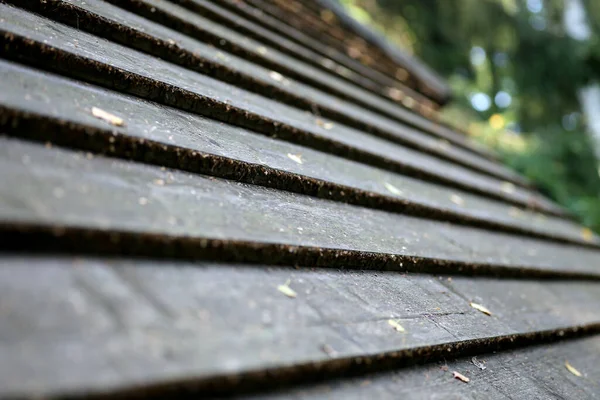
[
  {"x": 396, "y": 325},
  {"x": 572, "y": 369},
  {"x": 481, "y": 308},
  {"x": 327, "y": 349},
  {"x": 514, "y": 212},
  {"x": 295, "y": 157},
  {"x": 262, "y": 50},
  {"x": 587, "y": 234},
  {"x": 142, "y": 201},
  {"x": 456, "y": 199},
  {"x": 159, "y": 182},
  {"x": 395, "y": 94},
  {"x": 508, "y": 187},
  {"x": 444, "y": 368},
  {"x": 287, "y": 290},
  {"x": 392, "y": 189},
  {"x": 460, "y": 377},
  {"x": 478, "y": 364},
  {"x": 324, "y": 124},
  {"x": 108, "y": 117},
  {"x": 276, "y": 76}
]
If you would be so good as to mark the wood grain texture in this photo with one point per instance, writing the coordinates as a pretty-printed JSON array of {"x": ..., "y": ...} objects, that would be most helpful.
[
  {"x": 48, "y": 108},
  {"x": 119, "y": 327},
  {"x": 136, "y": 209},
  {"x": 533, "y": 373},
  {"x": 304, "y": 47},
  {"x": 195, "y": 25},
  {"x": 113, "y": 23},
  {"x": 103, "y": 62}
]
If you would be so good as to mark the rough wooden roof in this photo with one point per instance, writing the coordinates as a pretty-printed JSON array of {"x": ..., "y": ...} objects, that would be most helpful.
[{"x": 250, "y": 198}]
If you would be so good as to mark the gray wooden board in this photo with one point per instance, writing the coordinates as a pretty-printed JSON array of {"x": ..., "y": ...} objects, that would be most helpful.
[
  {"x": 146, "y": 210},
  {"x": 256, "y": 78},
  {"x": 76, "y": 53},
  {"x": 228, "y": 39},
  {"x": 280, "y": 21},
  {"x": 72, "y": 325},
  {"x": 29, "y": 98},
  {"x": 526, "y": 374},
  {"x": 279, "y": 37}
]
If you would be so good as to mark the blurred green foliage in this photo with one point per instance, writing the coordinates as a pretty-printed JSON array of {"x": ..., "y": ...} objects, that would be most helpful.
[{"x": 515, "y": 74}]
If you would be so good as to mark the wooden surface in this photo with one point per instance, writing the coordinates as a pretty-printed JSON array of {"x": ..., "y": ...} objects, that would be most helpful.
[
  {"x": 525, "y": 374},
  {"x": 114, "y": 67},
  {"x": 122, "y": 26},
  {"x": 45, "y": 188},
  {"x": 46, "y": 107},
  {"x": 117, "y": 325},
  {"x": 220, "y": 36},
  {"x": 178, "y": 220}
]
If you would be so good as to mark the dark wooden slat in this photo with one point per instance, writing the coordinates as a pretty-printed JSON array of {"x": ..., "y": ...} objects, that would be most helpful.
[
  {"x": 92, "y": 326},
  {"x": 525, "y": 374},
  {"x": 221, "y": 37},
  {"x": 431, "y": 81},
  {"x": 143, "y": 35},
  {"x": 262, "y": 27},
  {"x": 111, "y": 65},
  {"x": 46, "y": 107},
  {"x": 57, "y": 199}
]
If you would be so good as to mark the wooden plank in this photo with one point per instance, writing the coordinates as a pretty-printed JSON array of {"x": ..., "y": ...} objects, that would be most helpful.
[
  {"x": 48, "y": 108},
  {"x": 264, "y": 28},
  {"x": 123, "y": 27},
  {"x": 55, "y": 199},
  {"x": 528, "y": 374},
  {"x": 125, "y": 328},
  {"x": 231, "y": 41},
  {"x": 139, "y": 74}
]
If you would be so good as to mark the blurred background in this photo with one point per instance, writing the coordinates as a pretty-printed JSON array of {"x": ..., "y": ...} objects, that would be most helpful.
[{"x": 525, "y": 75}]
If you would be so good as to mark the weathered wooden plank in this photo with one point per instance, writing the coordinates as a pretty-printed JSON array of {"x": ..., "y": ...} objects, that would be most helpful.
[
  {"x": 111, "y": 65},
  {"x": 55, "y": 199},
  {"x": 126, "y": 328},
  {"x": 231, "y": 41},
  {"x": 48, "y": 108},
  {"x": 527, "y": 374},
  {"x": 430, "y": 82},
  {"x": 143, "y": 35},
  {"x": 263, "y": 28}
]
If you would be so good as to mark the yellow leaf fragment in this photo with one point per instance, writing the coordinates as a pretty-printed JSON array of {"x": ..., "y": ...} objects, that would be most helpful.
[
  {"x": 394, "y": 324},
  {"x": 324, "y": 124},
  {"x": 108, "y": 117},
  {"x": 460, "y": 377},
  {"x": 456, "y": 199},
  {"x": 514, "y": 212},
  {"x": 287, "y": 290},
  {"x": 262, "y": 50},
  {"x": 508, "y": 187},
  {"x": 392, "y": 189},
  {"x": 572, "y": 369},
  {"x": 295, "y": 157},
  {"x": 587, "y": 234},
  {"x": 276, "y": 76},
  {"x": 481, "y": 308}
]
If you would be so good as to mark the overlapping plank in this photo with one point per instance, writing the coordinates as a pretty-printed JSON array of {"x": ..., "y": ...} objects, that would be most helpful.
[
  {"x": 123, "y": 27},
  {"x": 96, "y": 60},
  {"x": 527, "y": 374},
  {"x": 262, "y": 27},
  {"x": 276, "y": 40},
  {"x": 55, "y": 200},
  {"x": 49, "y": 108},
  {"x": 126, "y": 328},
  {"x": 428, "y": 81},
  {"x": 222, "y": 37}
]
